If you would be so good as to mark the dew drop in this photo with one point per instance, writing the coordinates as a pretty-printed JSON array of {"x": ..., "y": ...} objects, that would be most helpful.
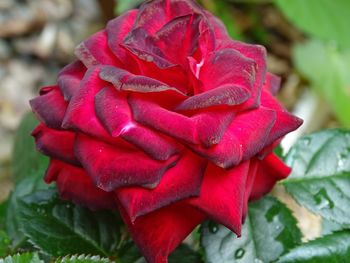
[
  {"x": 239, "y": 253},
  {"x": 306, "y": 141},
  {"x": 213, "y": 227}
]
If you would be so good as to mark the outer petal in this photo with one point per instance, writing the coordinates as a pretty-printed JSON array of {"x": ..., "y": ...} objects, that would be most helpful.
[
  {"x": 222, "y": 195},
  {"x": 95, "y": 50},
  {"x": 50, "y": 106},
  {"x": 253, "y": 167},
  {"x": 117, "y": 29},
  {"x": 270, "y": 170},
  {"x": 285, "y": 122},
  {"x": 180, "y": 182},
  {"x": 272, "y": 83},
  {"x": 75, "y": 185},
  {"x": 70, "y": 77},
  {"x": 57, "y": 144},
  {"x": 242, "y": 139},
  {"x": 111, "y": 167},
  {"x": 159, "y": 233},
  {"x": 80, "y": 114}
]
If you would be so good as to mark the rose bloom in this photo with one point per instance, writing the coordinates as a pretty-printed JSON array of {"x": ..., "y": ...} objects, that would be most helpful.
[{"x": 167, "y": 119}]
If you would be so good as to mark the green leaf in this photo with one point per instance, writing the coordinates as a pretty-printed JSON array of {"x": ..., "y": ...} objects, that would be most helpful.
[
  {"x": 334, "y": 248},
  {"x": 129, "y": 253},
  {"x": 328, "y": 227},
  {"x": 327, "y": 69},
  {"x": 83, "y": 259},
  {"x": 185, "y": 254},
  {"x": 25, "y": 156},
  {"x": 4, "y": 243},
  {"x": 22, "y": 258},
  {"x": 60, "y": 228},
  {"x": 3, "y": 208},
  {"x": 320, "y": 180},
  {"x": 269, "y": 231},
  {"x": 325, "y": 19},
  {"x": 27, "y": 186}
]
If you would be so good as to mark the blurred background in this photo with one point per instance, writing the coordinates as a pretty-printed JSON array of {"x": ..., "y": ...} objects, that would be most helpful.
[{"x": 308, "y": 43}]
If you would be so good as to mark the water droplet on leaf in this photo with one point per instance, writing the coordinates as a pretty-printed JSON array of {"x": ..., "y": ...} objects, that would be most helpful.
[
  {"x": 239, "y": 253},
  {"x": 213, "y": 227}
]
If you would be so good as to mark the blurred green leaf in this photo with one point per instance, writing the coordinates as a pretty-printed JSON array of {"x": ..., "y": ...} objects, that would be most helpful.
[
  {"x": 327, "y": 68},
  {"x": 3, "y": 208},
  {"x": 125, "y": 5},
  {"x": 60, "y": 228},
  {"x": 25, "y": 156},
  {"x": 334, "y": 248},
  {"x": 320, "y": 179},
  {"x": 325, "y": 19},
  {"x": 4, "y": 243},
  {"x": 22, "y": 258},
  {"x": 269, "y": 231}
]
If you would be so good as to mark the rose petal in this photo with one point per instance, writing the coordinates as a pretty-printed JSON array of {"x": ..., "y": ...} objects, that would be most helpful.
[
  {"x": 157, "y": 234},
  {"x": 70, "y": 77},
  {"x": 112, "y": 167},
  {"x": 205, "y": 128},
  {"x": 124, "y": 80},
  {"x": 272, "y": 83},
  {"x": 224, "y": 95},
  {"x": 222, "y": 195},
  {"x": 185, "y": 30},
  {"x": 270, "y": 170},
  {"x": 227, "y": 67},
  {"x": 285, "y": 122},
  {"x": 253, "y": 167},
  {"x": 113, "y": 111},
  {"x": 50, "y": 106},
  {"x": 258, "y": 54},
  {"x": 180, "y": 182},
  {"x": 75, "y": 185},
  {"x": 117, "y": 29},
  {"x": 57, "y": 144},
  {"x": 242, "y": 140},
  {"x": 95, "y": 50},
  {"x": 80, "y": 114}
]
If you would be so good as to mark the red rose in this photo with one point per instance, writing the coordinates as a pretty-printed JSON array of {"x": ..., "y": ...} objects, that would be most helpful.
[{"x": 166, "y": 118}]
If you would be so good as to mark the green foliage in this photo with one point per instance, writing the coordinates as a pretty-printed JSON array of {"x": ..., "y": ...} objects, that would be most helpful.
[
  {"x": 125, "y": 5},
  {"x": 327, "y": 68},
  {"x": 332, "y": 248},
  {"x": 320, "y": 179},
  {"x": 4, "y": 243},
  {"x": 28, "y": 185},
  {"x": 83, "y": 259},
  {"x": 185, "y": 254},
  {"x": 60, "y": 228},
  {"x": 269, "y": 231},
  {"x": 3, "y": 208},
  {"x": 25, "y": 156},
  {"x": 22, "y": 258},
  {"x": 324, "y": 19}
]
